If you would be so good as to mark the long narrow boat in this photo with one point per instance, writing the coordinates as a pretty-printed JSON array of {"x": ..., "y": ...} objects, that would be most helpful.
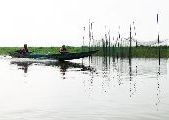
[{"x": 60, "y": 57}]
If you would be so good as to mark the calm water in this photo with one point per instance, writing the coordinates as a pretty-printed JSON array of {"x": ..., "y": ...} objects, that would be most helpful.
[{"x": 100, "y": 89}]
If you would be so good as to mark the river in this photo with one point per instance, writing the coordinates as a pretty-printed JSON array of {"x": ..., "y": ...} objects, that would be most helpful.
[{"x": 86, "y": 89}]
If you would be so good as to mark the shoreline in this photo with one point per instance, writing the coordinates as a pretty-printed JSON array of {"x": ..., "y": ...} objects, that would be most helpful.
[{"x": 119, "y": 52}]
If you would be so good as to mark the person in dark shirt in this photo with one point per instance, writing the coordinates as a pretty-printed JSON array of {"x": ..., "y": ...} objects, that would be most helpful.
[
  {"x": 63, "y": 49},
  {"x": 24, "y": 50}
]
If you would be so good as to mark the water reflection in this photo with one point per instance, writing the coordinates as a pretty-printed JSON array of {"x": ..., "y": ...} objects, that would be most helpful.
[
  {"x": 22, "y": 65},
  {"x": 120, "y": 71},
  {"x": 132, "y": 81},
  {"x": 158, "y": 89},
  {"x": 123, "y": 88},
  {"x": 130, "y": 72},
  {"x": 63, "y": 65}
]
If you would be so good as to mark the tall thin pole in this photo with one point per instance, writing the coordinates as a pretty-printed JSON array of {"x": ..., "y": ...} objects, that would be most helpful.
[
  {"x": 106, "y": 41},
  {"x": 134, "y": 28},
  {"x": 89, "y": 34},
  {"x": 109, "y": 44},
  {"x": 83, "y": 39},
  {"x": 92, "y": 36},
  {"x": 130, "y": 44},
  {"x": 159, "y": 54}
]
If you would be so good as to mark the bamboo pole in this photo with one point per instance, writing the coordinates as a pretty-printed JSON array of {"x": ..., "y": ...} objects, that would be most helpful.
[
  {"x": 83, "y": 39},
  {"x": 109, "y": 44},
  {"x": 130, "y": 45},
  {"x": 159, "y": 54},
  {"x": 89, "y": 34}
]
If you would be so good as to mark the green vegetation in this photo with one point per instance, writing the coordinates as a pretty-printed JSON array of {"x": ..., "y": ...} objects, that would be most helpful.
[
  {"x": 150, "y": 52},
  {"x": 40, "y": 50},
  {"x": 138, "y": 52}
]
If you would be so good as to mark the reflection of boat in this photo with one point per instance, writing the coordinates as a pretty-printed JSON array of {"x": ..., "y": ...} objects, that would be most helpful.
[
  {"x": 22, "y": 65},
  {"x": 64, "y": 65},
  {"x": 60, "y": 57}
]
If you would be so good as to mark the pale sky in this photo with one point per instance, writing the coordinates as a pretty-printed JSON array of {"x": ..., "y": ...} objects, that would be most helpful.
[{"x": 57, "y": 22}]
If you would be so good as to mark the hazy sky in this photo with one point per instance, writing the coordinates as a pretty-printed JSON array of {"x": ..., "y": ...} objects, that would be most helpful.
[{"x": 57, "y": 22}]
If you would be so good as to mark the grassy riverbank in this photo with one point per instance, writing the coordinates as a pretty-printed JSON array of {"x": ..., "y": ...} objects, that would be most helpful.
[
  {"x": 138, "y": 52},
  {"x": 40, "y": 50}
]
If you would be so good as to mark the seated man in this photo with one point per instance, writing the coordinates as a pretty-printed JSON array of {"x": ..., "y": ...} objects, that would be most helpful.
[
  {"x": 24, "y": 50},
  {"x": 63, "y": 49}
]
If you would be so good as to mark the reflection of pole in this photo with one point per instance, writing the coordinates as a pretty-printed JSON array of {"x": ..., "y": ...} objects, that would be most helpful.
[
  {"x": 130, "y": 74},
  {"x": 130, "y": 70},
  {"x": 158, "y": 88}
]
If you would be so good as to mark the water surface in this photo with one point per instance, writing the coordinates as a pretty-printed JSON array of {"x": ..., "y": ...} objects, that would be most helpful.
[{"x": 99, "y": 89}]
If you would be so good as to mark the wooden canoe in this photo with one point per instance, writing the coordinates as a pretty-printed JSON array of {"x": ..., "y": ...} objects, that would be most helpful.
[{"x": 60, "y": 57}]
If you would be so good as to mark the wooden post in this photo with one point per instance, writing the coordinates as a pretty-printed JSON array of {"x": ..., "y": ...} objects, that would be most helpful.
[
  {"x": 83, "y": 39},
  {"x": 159, "y": 54},
  {"x": 159, "y": 51},
  {"x": 92, "y": 39},
  {"x": 103, "y": 47},
  {"x": 130, "y": 52},
  {"x": 89, "y": 34},
  {"x": 106, "y": 44},
  {"x": 109, "y": 44}
]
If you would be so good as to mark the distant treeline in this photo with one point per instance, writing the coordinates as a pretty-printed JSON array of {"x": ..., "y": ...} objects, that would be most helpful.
[{"x": 123, "y": 52}]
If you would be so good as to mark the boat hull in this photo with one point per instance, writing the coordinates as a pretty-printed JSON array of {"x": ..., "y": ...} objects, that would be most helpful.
[{"x": 60, "y": 57}]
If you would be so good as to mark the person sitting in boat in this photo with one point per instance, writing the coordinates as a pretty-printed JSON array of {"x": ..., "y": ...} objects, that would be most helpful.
[
  {"x": 63, "y": 49},
  {"x": 24, "y": 50}
]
